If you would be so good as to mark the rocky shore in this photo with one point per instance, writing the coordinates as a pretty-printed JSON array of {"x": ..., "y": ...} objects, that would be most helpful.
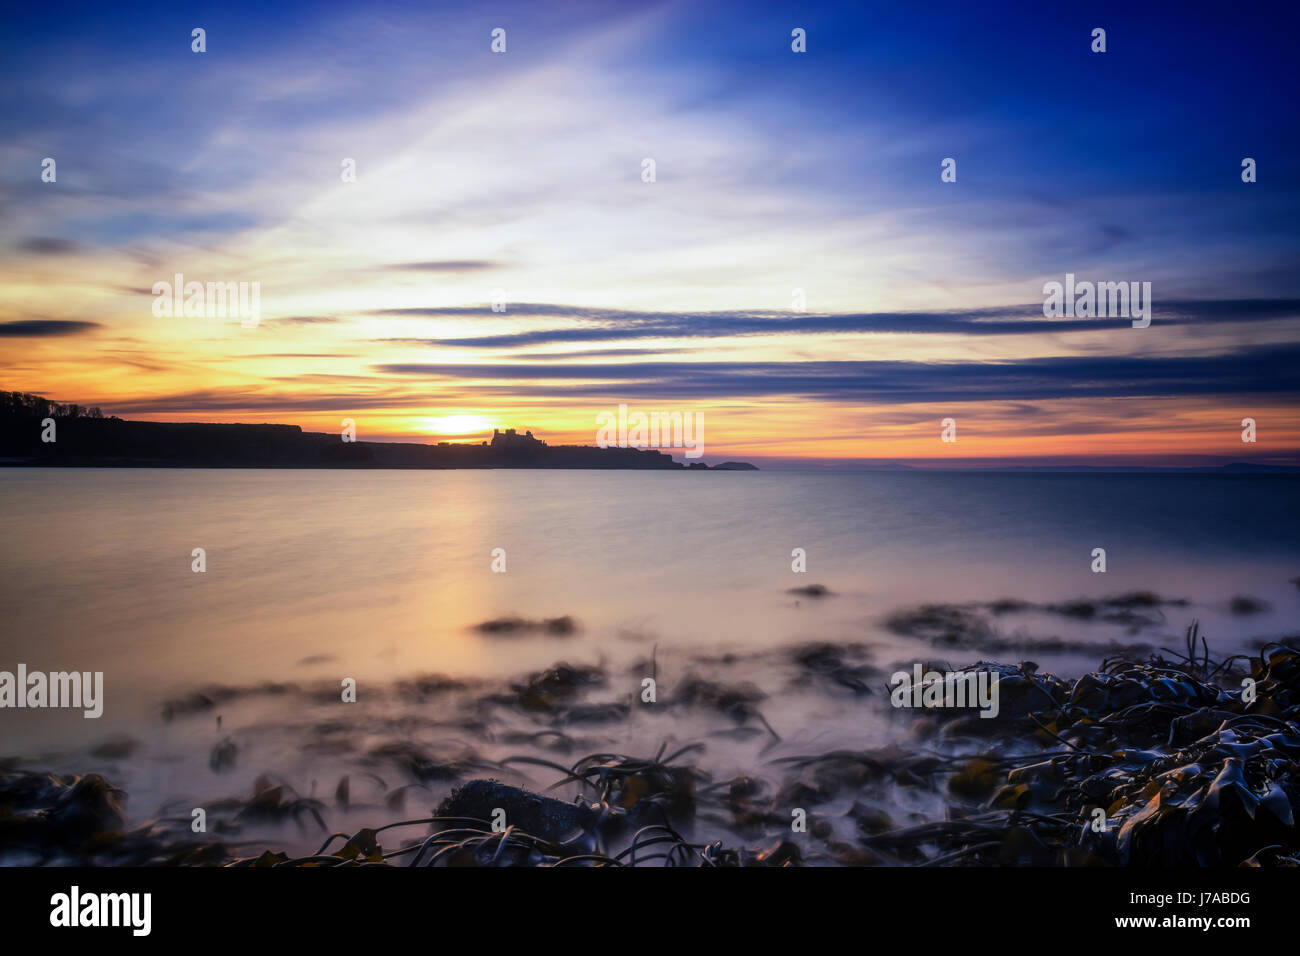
[{"x": 1177, "y": 759}]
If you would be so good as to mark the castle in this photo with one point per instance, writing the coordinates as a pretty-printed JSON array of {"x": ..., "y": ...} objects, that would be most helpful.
[{"x": 511, "y": 439}]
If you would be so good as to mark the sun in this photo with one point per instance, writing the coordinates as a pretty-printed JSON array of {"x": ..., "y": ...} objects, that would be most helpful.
[{"x": 459, "y": 425}]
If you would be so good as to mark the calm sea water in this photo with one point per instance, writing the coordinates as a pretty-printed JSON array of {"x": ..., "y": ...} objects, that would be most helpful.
[{"x": 313, "y": 576}]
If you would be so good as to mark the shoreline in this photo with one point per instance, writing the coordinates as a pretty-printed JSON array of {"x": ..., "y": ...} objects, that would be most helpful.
[{"x": 1179, "y": 758}]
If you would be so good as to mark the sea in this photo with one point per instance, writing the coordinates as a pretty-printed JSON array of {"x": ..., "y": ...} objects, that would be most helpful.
[{"x": 230, "y": 611}]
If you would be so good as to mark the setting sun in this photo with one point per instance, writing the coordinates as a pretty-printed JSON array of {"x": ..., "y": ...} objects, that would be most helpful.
[{"x": 459, "y": 425}]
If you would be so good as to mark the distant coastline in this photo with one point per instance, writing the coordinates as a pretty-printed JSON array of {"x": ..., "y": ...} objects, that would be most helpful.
[
  {"x": 83, "y": 437},
  {"x": 87, "y": 438}
]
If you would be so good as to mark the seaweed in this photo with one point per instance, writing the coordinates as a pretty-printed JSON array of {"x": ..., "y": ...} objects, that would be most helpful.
[
  {"x": 513, "y": 626},
  {"x": 1177, "y": 759}
]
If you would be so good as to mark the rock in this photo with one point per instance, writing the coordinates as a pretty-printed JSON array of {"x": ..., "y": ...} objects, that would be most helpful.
[
  {"x": 539, "y": 816},
  {"x": 562, "y": 626},
  {"x": 811, "y": 590}
]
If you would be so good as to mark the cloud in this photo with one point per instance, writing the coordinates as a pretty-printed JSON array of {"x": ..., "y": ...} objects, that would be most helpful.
[
  {"x": 304, "y": 320},
  {"x": 523, "y": 171},
  {"x": 620, "y": 324},
  {"x": 263, "y": 400},
  {"x": 463, "y": 265},
  {"x": 48, "y": 246},
  {"x": 45, "y": 328},
  {"x": 1258, "y": 370},
  {"x": 591, "y": 353}
]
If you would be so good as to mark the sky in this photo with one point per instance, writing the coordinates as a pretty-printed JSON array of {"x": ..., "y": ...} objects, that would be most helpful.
[{"x": 797, "y": 272}]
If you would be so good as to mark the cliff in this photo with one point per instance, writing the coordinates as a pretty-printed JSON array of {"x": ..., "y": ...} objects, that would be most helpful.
[{"x": 114, "y": 442}]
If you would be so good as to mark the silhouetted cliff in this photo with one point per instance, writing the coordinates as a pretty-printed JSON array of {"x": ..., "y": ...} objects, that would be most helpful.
[{"x": 84, "y": 438}]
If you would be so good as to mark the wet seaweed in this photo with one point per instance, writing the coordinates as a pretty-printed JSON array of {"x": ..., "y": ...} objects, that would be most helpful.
[
  {"x": 971, "y": 626},
  {"x": 1178, "y": 758},
  {"x": 517, "y": 626}
]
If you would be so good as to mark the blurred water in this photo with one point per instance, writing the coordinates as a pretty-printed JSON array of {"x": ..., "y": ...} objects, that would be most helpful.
[{"x": 313, "y": 576}]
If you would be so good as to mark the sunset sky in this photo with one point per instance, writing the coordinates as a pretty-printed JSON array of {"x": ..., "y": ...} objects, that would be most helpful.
[{"x": 775, "y": 171}]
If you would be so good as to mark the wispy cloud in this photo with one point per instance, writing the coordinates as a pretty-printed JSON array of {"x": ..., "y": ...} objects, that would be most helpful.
[
  {"x": 48, "y": 246},
  {"x": 520, "y": 176},
  {"x": 1249, "y": 371},
  {"x": 462, "y": 265},
  {"x": 615, "y": 324},
  {"x": 45, "y": 328}
]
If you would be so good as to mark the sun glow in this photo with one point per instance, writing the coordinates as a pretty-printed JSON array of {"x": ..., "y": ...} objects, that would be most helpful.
[{"x": 459, "y": 425}]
